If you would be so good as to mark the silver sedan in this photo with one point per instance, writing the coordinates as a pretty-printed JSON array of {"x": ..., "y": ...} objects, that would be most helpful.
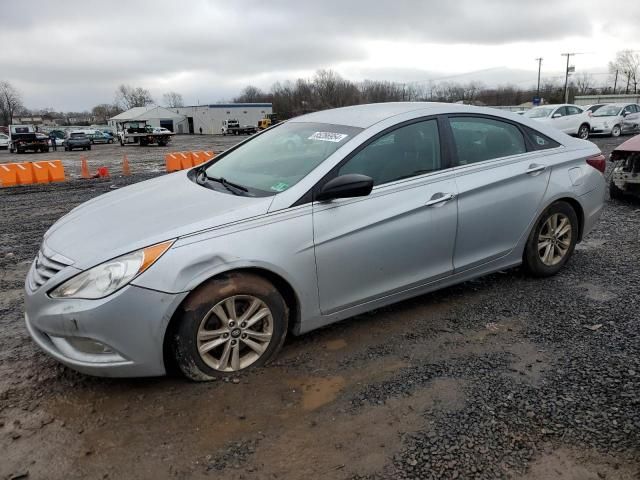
[{"x": 310, "y": 222}]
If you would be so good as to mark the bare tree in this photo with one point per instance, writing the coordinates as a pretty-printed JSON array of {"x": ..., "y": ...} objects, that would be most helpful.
[
  {"x": 172, "y": 100},
  {"x": 584, "y": 83},
  {"x": 104, "y": 112},
  {"x": 251, "y": 94},
  {"x": 129, "y": 97},
  {"x": 10, "y": 102},
  {"x": 627, "y": 64}
]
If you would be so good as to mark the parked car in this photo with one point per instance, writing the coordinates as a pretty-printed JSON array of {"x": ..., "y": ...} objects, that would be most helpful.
[
  {"x": 569, "y": 119},
  {"x": 77, "y": 140},
  {"x": 590, "y": 109},
  {"x": 615, "y": 119},
  {"x": 4, "y": 141},
  {"x": 161, "y": 130},
  {"x": 212, "y": 267},
  {"x": 625, "y": 177},
  {"x": 96, "y": 136}
]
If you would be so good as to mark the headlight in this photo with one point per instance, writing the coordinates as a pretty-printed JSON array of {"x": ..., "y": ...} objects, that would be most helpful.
[{"x": 108, "y": 277}]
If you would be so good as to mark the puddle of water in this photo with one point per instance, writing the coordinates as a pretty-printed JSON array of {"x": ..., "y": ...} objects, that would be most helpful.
[
  {"x": 337, "y": 344},
  {"x": 317, "y": 392}
]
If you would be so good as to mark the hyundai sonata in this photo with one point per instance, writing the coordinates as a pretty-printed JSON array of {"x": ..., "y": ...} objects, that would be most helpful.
[{"x": 312, "y": 221}]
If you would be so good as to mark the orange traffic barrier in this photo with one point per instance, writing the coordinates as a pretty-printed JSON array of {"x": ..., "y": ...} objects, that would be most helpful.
[
  {"x": 84, "y": 168},
  {"x": 125, "y": 165},
  {"x": 40, "y": 172},
  {"x": 186, "y": 160},
  {"x": 8, "y": 175},
  {"x": 24, "y": 172},
  {"x": 56, "y": 170},
  {"x": 201, "y": 157},
  {"x": 172, "y": 162}
]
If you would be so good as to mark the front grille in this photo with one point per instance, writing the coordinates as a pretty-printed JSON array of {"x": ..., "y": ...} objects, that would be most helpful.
[{"x": 44, "y": 268}]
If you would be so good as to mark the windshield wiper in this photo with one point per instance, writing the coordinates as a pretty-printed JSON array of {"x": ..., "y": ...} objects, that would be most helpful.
[{"x": 226, "y": 183}]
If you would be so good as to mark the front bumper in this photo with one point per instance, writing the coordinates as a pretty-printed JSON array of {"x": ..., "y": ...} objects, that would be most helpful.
[
  {"x": 601, "y": 130},
  {"x": 131, "y": 324}
]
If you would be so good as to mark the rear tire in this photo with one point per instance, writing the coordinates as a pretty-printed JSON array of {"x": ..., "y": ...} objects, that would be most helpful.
[
  {"x": 614, "y": 192},
  {"x": 207, "y": 318},
  {"x": 552, "y": 240}
]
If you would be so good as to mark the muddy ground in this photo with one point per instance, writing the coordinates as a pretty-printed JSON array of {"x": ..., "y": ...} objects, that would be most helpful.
[{"x": 502, "y": 377}]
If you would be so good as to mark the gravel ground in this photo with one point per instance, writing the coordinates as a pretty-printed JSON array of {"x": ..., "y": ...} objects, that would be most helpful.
[{"x": 502, "y": 377}]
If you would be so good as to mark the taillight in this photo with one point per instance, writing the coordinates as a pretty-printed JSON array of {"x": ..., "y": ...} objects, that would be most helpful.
[{"x": 599, "y": 162}]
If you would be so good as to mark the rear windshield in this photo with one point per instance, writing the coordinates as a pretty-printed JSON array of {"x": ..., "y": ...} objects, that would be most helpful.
[{"x": 77, "y": 135}]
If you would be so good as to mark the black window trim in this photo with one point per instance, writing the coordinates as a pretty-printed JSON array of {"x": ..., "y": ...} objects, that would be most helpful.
[{"x": 445, "y": 155}]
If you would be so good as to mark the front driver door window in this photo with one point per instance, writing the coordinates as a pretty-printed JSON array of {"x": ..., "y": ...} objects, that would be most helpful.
[{"x": 401, "y": 235}]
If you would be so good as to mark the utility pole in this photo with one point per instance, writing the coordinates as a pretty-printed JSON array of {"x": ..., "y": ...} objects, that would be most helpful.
[
  {"x": 539, "y": 68},
  {"x": 566, "y": 77}
]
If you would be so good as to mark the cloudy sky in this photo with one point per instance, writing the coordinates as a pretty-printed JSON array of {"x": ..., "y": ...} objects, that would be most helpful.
[{"x": 72, "y": 55}]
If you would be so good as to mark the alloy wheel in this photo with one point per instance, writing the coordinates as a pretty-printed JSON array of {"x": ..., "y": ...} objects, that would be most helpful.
[
  {"x": 235, "y": 333},
  {"x": 554, "y": 239}
]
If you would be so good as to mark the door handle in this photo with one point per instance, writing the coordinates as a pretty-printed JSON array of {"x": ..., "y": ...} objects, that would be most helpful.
[
  {"x": 442, "y": 198},
  {"x": 535, "y": 168}
]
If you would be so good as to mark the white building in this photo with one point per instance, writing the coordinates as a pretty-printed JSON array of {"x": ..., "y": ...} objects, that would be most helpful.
[
  {"x": 154, "y": 116},
  {"x": 210, "y": 117}
]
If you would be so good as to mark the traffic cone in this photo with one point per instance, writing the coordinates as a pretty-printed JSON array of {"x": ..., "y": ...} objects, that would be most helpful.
[
  {"x": 84, "y": 168},
  {"x": 103, "y": 172},
  {"x": 125, "y": 166}
]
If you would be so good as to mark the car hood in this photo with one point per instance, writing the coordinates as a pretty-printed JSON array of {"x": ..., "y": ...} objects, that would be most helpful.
[{"x": 143, "y": 214}]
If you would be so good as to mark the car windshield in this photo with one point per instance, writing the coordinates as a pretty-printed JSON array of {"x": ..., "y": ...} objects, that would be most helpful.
[
  {"x": 540, "y": 112},
  {"x": 607, "y": 111},
  {"x": 77, "y": 135},
  {"x": 279, "y": 158}
]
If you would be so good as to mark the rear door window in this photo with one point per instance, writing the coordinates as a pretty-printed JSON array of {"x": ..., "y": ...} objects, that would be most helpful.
[{"x": 478, "y": 139}]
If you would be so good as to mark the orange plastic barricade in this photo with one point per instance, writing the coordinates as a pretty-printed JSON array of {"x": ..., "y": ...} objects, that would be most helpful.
[
  {"x": 24, "y": 172},
  {"x": 56, "y": 170},
  {"x": 40, "y": 172},
  {"x": 172, "y": 162},
  {"x": 201, "y": 157},
  {"x": 8, "y": 175},
  {"x": 186, "y": 160}
]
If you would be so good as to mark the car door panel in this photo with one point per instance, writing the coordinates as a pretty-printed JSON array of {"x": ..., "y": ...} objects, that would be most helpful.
[
  {"x": 500, "y": 186},
  {"x": 383, "y": 243},
  {"x": 496, "y": 203}
]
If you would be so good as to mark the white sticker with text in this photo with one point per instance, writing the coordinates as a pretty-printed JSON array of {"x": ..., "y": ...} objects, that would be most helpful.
[{"x": 328, "y": 136}]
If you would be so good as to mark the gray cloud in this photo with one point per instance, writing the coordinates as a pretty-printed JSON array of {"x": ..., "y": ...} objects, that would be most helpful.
[{"x": 73, "y": 55}]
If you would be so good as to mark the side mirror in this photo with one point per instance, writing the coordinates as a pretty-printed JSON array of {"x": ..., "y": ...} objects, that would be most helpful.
[
  {"x": 624, "y": 114},
  {"x": 346, "y": 186},
  {"x": 556, "y": 115}
]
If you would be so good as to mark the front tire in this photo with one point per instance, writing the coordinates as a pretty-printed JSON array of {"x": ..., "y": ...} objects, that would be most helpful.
[
  {"x": 583, "y": 131},
  {"x": 552, "y": 241},
  {"x": 615, "y": 131},
  {"x": 227, "y": 325}
]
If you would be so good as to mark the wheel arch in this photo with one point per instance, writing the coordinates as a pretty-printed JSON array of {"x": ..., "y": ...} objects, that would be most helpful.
[{"x": 282, "y": 285}]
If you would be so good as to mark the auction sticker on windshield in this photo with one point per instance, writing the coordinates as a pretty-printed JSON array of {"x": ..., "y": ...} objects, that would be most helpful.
[{"x": 328, "y": 136}]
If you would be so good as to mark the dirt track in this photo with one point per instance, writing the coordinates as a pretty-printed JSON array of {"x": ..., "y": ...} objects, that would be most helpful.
[{"x": 500, "y": 377}]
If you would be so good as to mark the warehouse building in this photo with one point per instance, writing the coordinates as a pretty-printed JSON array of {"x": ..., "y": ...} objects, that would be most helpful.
[
  {"x": 210, "y": 117},
  {"x": 154, "y": 116}
]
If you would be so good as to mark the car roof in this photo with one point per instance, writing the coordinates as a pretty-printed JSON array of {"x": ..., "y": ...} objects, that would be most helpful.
[{"x": 364, "y": 116}]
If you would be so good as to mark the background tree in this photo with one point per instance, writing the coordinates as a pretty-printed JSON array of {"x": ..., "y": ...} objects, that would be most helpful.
[
  {"x": 105, "y": 111},
  {"x": 172, "y": 100},
  {"x": 627, "y": 64},
  {"x": 129, "y": 97},
  {"x": 10, "y": 102},
  {"x": 583, "y": 83}
]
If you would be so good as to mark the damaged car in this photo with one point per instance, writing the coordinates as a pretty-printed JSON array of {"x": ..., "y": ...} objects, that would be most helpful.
[{"x": 625, "y": 177}]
